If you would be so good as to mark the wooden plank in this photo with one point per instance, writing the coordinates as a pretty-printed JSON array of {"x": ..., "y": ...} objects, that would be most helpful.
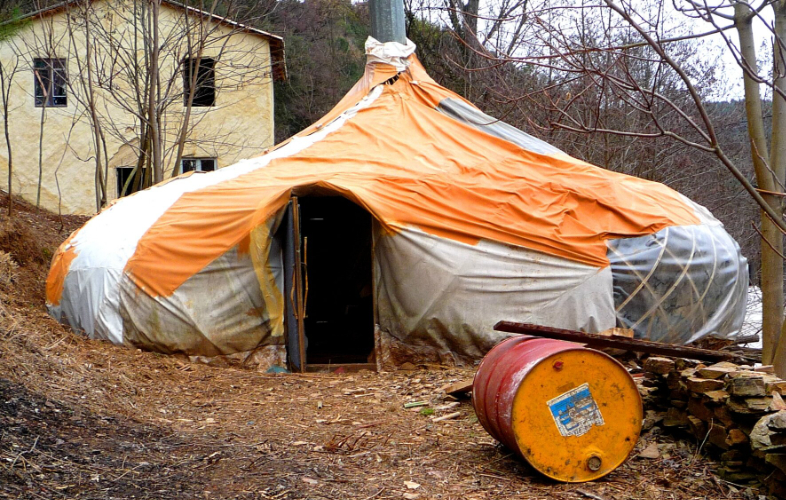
[
  {"x": 460, "y": 387},
  {"x": 594, "y": 340}
]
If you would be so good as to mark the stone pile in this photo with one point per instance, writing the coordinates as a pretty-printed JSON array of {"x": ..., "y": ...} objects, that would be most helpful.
[{"x": 737, "y": 412}]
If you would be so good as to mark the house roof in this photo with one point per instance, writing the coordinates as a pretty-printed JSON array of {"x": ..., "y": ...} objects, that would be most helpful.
[{"x": 276, "y": 42}]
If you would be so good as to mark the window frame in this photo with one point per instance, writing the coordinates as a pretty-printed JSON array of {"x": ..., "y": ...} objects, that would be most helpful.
[
  {"x": 49, "y": 72},
  {"x": 198, "y": 165},
  {"x": 118, "y": 185},
  {"x": 205, "y": 92}
]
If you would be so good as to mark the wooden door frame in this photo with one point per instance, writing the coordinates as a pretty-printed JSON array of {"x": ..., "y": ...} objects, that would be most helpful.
[{"x": 300, "y": 306}]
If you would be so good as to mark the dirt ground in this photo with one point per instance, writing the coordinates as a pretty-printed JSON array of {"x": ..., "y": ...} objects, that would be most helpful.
[{"x": 86, "y": 419}]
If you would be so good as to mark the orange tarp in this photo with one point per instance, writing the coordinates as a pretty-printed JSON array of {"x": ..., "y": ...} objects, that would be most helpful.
[{"x": 410, "y": 165}]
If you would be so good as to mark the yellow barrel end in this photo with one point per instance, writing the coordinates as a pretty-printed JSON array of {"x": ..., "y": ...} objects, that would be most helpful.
[{"x": 577, "y": 415}]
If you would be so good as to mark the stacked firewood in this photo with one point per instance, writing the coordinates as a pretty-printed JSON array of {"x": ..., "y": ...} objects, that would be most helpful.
[{"x": 737, "y": 412}]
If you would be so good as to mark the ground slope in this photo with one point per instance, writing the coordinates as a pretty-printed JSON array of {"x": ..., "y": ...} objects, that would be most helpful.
[{"x": 85, "y": 419}]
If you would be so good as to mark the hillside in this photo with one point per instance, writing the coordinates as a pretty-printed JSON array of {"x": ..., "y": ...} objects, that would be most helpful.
[{"x": 86, "y": 419}]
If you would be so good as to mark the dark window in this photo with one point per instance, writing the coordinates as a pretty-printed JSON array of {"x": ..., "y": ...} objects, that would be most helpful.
[
  {"x": 51, "y": 82},
  {"x": 197, "y": 165},
  {"x": 205, "y": 90},
  {"x": 123, "y": 175}
]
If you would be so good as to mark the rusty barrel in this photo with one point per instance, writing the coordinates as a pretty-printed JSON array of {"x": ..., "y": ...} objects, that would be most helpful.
[{"x": 573, "y": 413}]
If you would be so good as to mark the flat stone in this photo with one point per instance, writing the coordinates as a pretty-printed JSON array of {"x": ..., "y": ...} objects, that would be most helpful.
[
  {"x": 747, "y": 386},
  {"x": 704, "y": 385},
  {"x": 648, "y": 392},
  {"x": 651, "y": 419},
  {"x": 718, "y": 436},
  {"x": 777, "y": 402},
  {"x": 673, "y": 381},
  {"x": 682, "y": 363},
  {"x": 777, "y": 421},
  {"x": 698, "y": 409},
  {"x": 697, "y": 427},
  {"x": 735, "y": 437},
  {"x": 762, "y": 433},
  {"x": 723, "y": 415},
  {"x": 775, "y": 385},
  {"x": 617, "y": 332},
  {"x": 735, "y": 476},
  {"x": 759, "y": 404},
  {"x": 687, "y": 373},
  {"x": 716, "y": 397},
  {"x": 765, "y": 369},
  {"x": 776, "y": 473},
  {"x": 678, "y": 395},
  {"x": 749, "y": 406},
  {"x": 718, "y": 370},
  {"x": 675, "y": 418},
  {"x": 658, "y": 365},
  {"x": 650, "y": 380}
]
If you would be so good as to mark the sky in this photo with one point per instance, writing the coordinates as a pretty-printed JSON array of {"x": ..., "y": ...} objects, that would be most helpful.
[
  {"x": 712, "y": 48},
  {"x": 763, "y": 36}
]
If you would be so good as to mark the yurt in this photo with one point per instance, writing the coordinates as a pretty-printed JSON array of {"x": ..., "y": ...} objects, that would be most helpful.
[{"x": 398, "y": 228}]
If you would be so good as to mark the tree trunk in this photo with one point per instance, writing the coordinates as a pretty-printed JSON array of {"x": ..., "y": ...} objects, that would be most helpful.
[
  {"x": 6, "y": 90},
  {"x": 153, "y": 110},
  {"x": 100, "y": 181},
  {"x": 193, "y": 76},
  {"x": 41, "y": 150},
  {"x": 771, "y": 263},
  {"x": 773, "y": 340}
]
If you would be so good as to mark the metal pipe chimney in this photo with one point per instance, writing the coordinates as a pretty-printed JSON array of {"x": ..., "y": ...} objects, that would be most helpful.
[{"x": 387, "y": 21}]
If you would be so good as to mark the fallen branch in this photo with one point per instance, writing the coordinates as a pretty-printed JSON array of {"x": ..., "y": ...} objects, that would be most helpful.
[
  {"x": 24, "y": 452},
  {"x": 447, "y": 417}
]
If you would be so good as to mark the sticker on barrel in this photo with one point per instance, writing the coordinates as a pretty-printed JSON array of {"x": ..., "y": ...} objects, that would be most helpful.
[{"x": 575, "y": 412}]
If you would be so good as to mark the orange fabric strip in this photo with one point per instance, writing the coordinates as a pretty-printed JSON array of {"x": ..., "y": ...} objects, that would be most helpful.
[{"x": 410, "y": 165}]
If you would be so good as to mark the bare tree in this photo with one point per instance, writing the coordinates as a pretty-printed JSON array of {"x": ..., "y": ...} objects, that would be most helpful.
[
  {"x": 634, "y": 71},
  {"x": 137, "y": 70},
  {"x": 152, "y": 77},
  {"x": 7, "y": 73}
]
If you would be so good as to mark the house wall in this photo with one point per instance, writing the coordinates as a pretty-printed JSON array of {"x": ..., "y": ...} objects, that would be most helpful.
[{"x": 240, "y": 125}]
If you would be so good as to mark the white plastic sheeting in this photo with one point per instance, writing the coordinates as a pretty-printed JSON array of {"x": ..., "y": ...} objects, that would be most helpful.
[
  {"x": 461, "y": 111},
  {"x": 90, "y": 301},
  {"x": 445, "y": 295},
  {"x": 680, "y": 284},
  {"x": 392, "y": 53},
  {"x": 218, "y": 311}
]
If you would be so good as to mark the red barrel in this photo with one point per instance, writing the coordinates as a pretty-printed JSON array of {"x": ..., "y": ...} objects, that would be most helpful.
[{"x": 573, "y": 413}]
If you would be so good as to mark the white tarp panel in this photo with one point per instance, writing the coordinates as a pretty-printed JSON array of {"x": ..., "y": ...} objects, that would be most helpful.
[
  {"x": 90, "y": 300},
  {"x": 445, "y": 295}
]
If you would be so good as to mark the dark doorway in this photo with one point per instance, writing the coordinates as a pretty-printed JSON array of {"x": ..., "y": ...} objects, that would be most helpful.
[{"x": 336, "y": 250}]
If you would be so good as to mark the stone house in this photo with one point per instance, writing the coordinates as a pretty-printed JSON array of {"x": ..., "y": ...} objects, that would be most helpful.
[{"x": 75, "y": 81}]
